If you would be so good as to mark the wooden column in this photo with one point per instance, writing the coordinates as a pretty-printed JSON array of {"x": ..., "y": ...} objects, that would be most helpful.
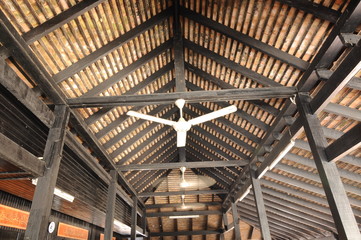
[
  {"x": 133, "y": 234},
  {"x": 338, "y": 201},
  {"x": 112, "y": 193},
  {"x": 261, "y": 210},
  {"x": 43, "y": 197},
  {"x": 237, "y": 232}
]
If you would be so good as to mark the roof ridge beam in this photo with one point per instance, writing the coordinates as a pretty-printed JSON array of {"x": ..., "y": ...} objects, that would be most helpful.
[
  {"x": 111, "y": 46},
  {"x": 59, "y": 20},
  {"x": 245, "y": 39},
  {"x": 178, "y": 50},
  {"x": 244, "y": 71}
]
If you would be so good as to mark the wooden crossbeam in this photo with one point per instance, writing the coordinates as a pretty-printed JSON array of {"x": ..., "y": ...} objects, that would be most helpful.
[
  {"x": 176, "y": 205},
  {"x": 185, "y": 233},
  {"x": 18, "y": 156},
  {"x": 159, "y": 166},
  {"x": 245, "y": 39},
  {"x": 344, "y": 145},
  {"x": 318, "y": 10},
  {"x": 344, "y": 111},
  {"x": 59, "y": 20},
  {"x": 111, "y": 46},
  {"x": 183, "y": 213},
  {"x": 199, "y": 192},
  {"x": 194, "y": 96},
  {"x": 340, "y": 77}
]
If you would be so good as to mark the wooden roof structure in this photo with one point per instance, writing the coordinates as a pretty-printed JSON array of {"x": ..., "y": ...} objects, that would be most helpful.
[{"x": 292, "y": 69}]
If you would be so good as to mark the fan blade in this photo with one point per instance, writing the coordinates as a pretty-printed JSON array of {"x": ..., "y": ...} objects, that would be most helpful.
[
  {"x": 213, "y": 115},
  {"x": 181, "y": 138},
  {"x": 150, "y": 118}
]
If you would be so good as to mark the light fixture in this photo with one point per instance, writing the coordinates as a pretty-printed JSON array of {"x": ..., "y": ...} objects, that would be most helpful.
[
  {"x": 183, "y": 183},
  {"x": 125, "y": 229},
  {"x": 282, "y": 154},
  {"x": 58, "y": 192},
  {"x": 245, "y": 194},
  {"x": 185, "y": 216}
]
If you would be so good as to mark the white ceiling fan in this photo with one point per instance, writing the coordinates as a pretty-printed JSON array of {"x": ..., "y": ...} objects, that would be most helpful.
[{"x": 182, "y": 126}]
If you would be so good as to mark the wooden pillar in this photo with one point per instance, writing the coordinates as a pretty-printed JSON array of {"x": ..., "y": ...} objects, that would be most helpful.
[
  {"x": 43, "y": 197},
  {"x": 338, "y": 201},
  {"x": 261, "y": 210},
  {"x": 133, "y": 234},
  {"x": 237, "y": 231},
  {"x": 112, "y": 193},
  {"x": 144, "y": 222}
]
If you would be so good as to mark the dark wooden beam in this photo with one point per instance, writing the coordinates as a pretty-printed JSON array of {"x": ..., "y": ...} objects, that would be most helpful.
[
  {"x": 178, "y": 49},
  {"x": 340, "y": 77},
  {"x": 199, "y": 192},
  {"x": 195, "y": 96},
  {"x": 185, "y": 233},
  {"x": 127, "y": 70},
  {"x": 344, "y": 111},
  {"x": 345, "y": 222},
  {"x": 184, "y": 213},
  {"x": 18, "y": 156},
  {"x": 178, "y": 205},
  {"x": 325, "y": 74},
  {"x": 347, "y": 143},
  {"x": 111, "y": 197},
  {"x": 264, "y": 81},
  {"x": 133, "y": 234},
  {"x": 235, "y": 216},
  {"x": 159, "y": 166},
  {"x": 26, "y": 95},
  {"x": 43, "y": 197},
  {"x": 59, "y": 20},
  {"x": 318, "y": 10},
  {"x": 245, "y": 39},
  {"x": 111, "y": 46},
  {"x": 260, "y": 206},
  {"x": 224, "y": 85}
]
